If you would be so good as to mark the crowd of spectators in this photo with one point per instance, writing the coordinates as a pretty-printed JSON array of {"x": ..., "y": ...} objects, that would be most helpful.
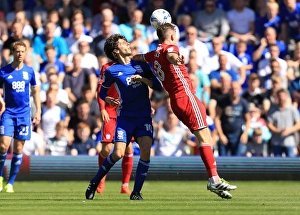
[{"x": 243, "y": 58}]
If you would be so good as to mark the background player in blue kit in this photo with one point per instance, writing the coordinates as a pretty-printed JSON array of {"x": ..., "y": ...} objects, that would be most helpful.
[
  {"x": 17, "y": 80},
  {"x": 131, "y": 79}
]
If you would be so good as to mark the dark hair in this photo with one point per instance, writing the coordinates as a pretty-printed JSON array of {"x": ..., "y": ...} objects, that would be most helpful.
[
  {"x": 111, "y": 44},
  {"x": 253, "y": 77},
  {"x": 16, "y": 22},
  {"x": 17, "y": 43},
  {"x": 272, "y": 45},
  {"x": 48, "y": 47},
  {"x": 86, "y": 87},
  {"x": 81, "y": 102},
  {"x": 274, "y": 60},
  {"x": 53, "y": 11},
  {"x": 77, "y": 11},
  {"x": 281, "y": 91},
  {"x": 163, "y": 29}
]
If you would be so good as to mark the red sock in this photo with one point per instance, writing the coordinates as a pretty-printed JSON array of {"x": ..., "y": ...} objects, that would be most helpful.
[
  {"x": 208, "y": 159},
  {"x": 127, "y": 164},
  {"x": 100, "y": 159}
]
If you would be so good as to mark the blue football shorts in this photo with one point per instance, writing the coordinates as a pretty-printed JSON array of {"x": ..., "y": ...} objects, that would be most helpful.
[
  {"x": 128, "y": 127},
  {"x": 17, "y": 127}
]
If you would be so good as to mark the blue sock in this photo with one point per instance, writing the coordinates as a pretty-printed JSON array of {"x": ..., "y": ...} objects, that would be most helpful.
[
  {"x": 141, "y": 173},
  {"x": 2, "y": 161},
  {"x": 104, "y": 169},
  {"x": 16, "y": 162}
]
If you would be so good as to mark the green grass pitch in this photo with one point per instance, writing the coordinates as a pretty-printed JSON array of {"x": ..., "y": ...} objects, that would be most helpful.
[{"x": 160, "y": 198}]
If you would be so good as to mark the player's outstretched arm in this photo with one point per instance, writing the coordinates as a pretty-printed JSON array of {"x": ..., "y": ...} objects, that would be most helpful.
[
  {"x": 112, "y": 101},
  {"x": 139, "y": 57},
  {"x": 138, "y": 78},
  {"x": 153, "y": 83}
]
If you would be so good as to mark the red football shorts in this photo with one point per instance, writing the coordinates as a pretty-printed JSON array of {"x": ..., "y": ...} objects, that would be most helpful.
[
  {"x": 108, "y": 130},
  {"x": 190, "y": 111}
]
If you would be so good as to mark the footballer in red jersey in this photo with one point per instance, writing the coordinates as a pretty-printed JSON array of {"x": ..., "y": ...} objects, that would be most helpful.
[
  {"x": 170, "y": 69},
  {"x": 109, "y": 115},
  {"x": 176, "y": 81}
]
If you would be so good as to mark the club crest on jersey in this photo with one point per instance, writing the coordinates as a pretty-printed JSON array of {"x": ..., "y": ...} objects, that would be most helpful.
[
  {"x": 107, "y": 136},
  {"x": 25, "y": 75},
  {"x": 138, "y": 68},
  {"x": 156, "y": 54}
]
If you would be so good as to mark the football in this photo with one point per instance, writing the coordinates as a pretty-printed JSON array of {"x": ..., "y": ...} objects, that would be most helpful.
[{"x": 159, "y": 17}]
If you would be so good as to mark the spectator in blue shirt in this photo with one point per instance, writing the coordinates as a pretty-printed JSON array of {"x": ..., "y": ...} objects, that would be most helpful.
[
  {"x": 261, "y": 17},
  {"x": 262, "y": 50},
  {"x": 135, "y": 22},
  {"x": 59, "y": 43},
  {"x": 289, "y": 13},
  {"x": 246, "y": 59},
  {"x": 273, "y": 17},
  {"x": 215, "y": 76},
  {"x": 269, "y": 19},
  {"x": 52, "y": 62},
  {"x": 176, "y": 7}
]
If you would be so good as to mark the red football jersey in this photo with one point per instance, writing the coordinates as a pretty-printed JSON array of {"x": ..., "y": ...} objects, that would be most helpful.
[
  {"x": 175, "y": 79},
  {"x": 111, "y": 110}
]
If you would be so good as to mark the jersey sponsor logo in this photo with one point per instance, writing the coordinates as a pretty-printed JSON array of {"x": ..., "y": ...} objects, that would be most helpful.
[
  {"x": 171, "y": 49},
  {"x": 25, "y": 75},
  {"x": 10, "y": 77},
  {"x": 138, "y": 68},
  {"x": 134, "y": 84},
  {"x": 18, "y": 86}
]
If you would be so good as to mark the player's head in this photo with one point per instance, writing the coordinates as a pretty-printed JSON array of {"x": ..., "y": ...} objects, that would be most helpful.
[
  {"x": 18, "y": 50},
  {"x": 115, "y": 46},
  {"x": 166, "y": 32}
]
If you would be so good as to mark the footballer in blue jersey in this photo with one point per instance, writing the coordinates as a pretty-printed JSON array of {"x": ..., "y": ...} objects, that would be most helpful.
[
  {"x": 131, "y": 80},
  {"x": 129, "y": 90},
  {"x": 18, "y": 81}
]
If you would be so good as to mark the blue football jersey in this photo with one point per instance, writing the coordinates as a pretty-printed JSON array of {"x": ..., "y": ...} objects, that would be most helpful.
[
  {"x": 134, "y": 96},
  {"x": 16, "y": 89},
  {"x": 291, "y": 18}
]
